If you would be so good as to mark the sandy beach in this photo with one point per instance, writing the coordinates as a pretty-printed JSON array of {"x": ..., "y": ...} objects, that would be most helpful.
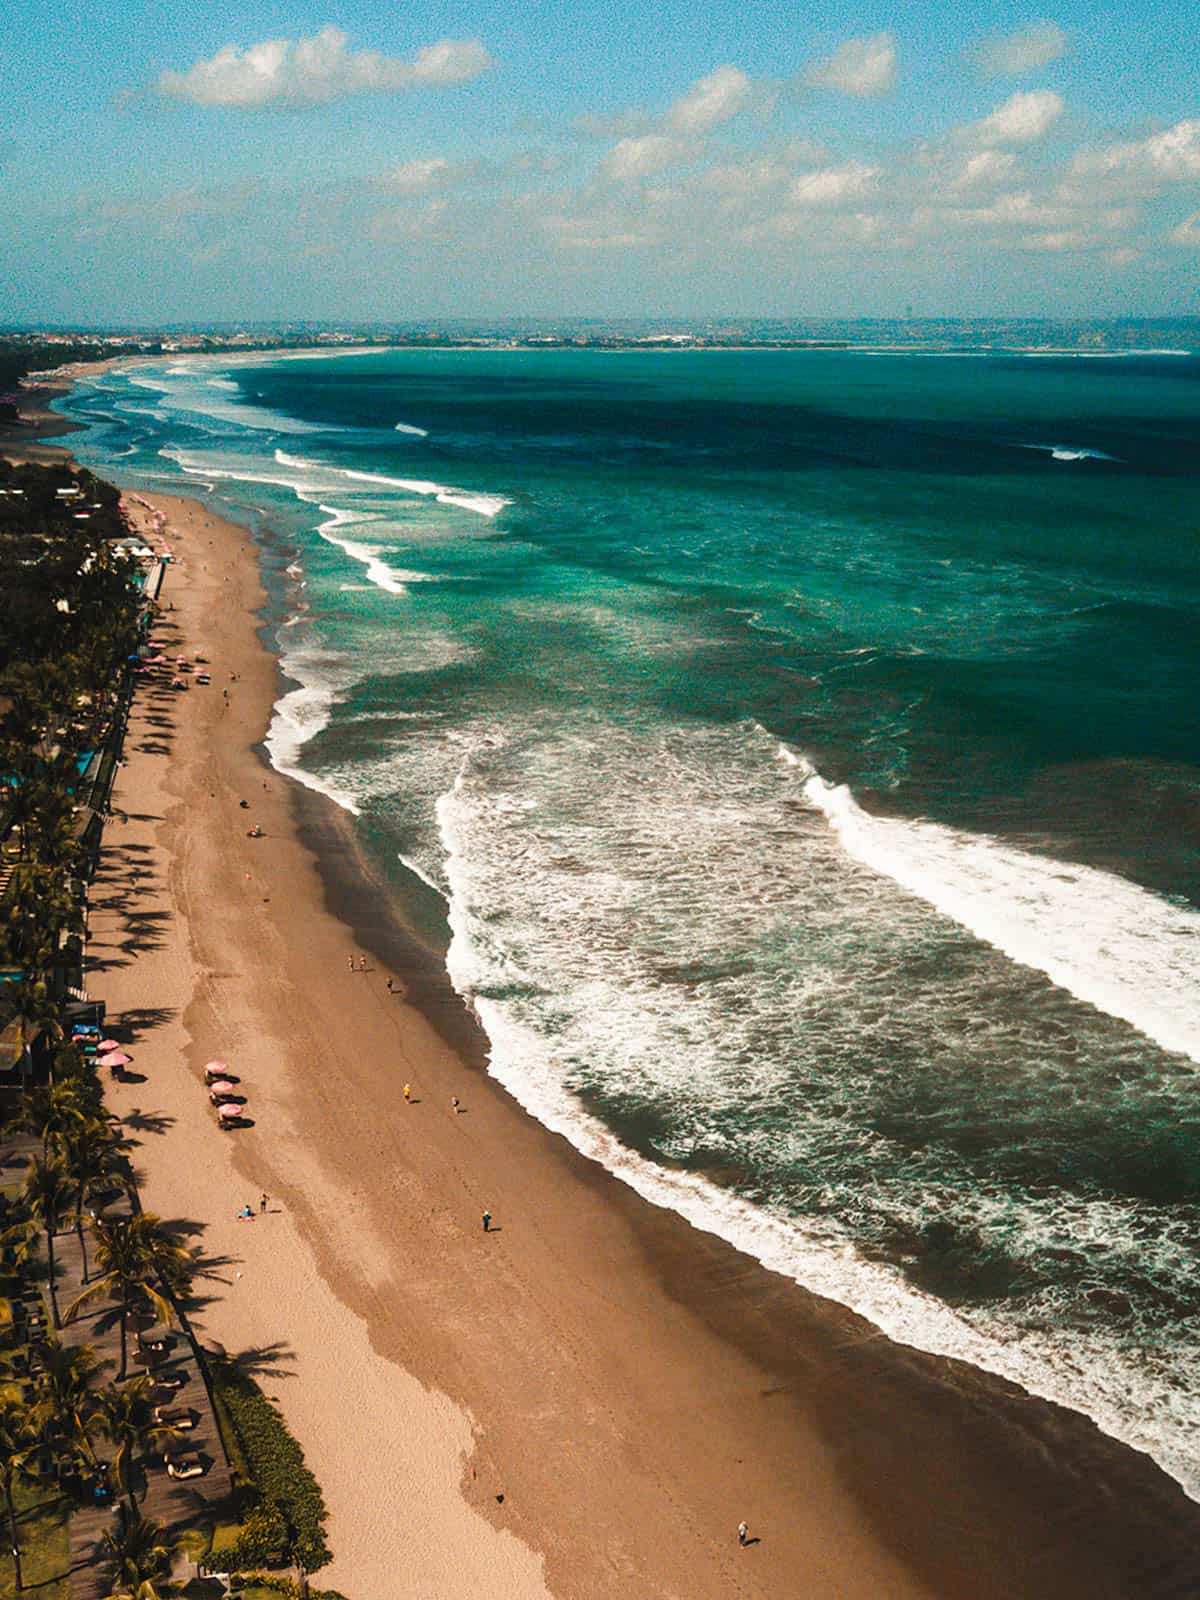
[{"x": 588, "y": 1399}]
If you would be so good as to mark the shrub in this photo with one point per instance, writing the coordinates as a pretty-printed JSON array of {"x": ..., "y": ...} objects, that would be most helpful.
[
  {"x": 271, "y": 1584},
  {"x": 261, "y": 1540},
  {"x": 283, "y": 1484}
]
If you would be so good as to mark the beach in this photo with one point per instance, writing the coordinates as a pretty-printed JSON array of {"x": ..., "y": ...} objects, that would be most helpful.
[{"x": 586, "y": 1400}]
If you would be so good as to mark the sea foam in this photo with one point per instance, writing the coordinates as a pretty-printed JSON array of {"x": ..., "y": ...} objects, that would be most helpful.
[
  {"x": 486, "y": 505},
  {"x": 1107, "y": 941}
]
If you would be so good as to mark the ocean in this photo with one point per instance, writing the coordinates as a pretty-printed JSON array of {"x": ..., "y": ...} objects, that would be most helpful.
[{"x": 799, "y": 753}]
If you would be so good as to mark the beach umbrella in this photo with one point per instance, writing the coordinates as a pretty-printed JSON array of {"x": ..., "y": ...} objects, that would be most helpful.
[
  {"x": 230, "y": 1109},
  {"x": 223, "y": 1088},
  {"x": 216, "y": 1069},
  {"x": 109, "y": 1044},
  {"x": 115, "y": 1058}
]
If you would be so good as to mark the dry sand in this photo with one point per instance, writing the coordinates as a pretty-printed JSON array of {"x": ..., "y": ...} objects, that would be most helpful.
[{"x": 586, "y": 1401}]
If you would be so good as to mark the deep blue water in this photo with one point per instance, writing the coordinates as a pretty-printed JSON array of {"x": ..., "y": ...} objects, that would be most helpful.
[{"x": 803, "y": 745}]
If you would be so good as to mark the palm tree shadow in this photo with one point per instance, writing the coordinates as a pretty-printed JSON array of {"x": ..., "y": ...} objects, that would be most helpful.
[
  {"x": 263, "y": 1361},
  {"x": 142, "y": 1019},
  {"x": 148, "y": 1121}
]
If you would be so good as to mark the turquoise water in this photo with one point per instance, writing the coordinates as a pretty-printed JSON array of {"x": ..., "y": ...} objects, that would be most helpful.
[{"x": 803, "y": 745}]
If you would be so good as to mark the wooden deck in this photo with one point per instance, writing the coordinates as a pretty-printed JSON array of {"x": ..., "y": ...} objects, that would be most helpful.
[{"x": 178, "y": 1505}]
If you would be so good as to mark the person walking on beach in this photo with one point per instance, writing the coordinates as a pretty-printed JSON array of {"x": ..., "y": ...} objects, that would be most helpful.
[
  {"x": 743, "y": 1533},
  {"x": 362, "y": 963},
  {"x": 487, "y": 1222},
  {"x": 350, "y": 962},
  {"x": 262, "y": 1203},
  {"x": 408, "y": 1094},
  {"x": 454, "y": 1105},
  {"x": 389, "y": 986}
]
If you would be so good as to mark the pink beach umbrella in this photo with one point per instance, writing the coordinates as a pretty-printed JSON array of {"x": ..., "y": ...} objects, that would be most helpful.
[
  {"x": 222, "y": 1087},
  {"x": 216, "y": 1069},
  {"x": 109, "y": 1044},
  {"x": 229, "y": 1110},
  {"x": 115, "y": 1058}
]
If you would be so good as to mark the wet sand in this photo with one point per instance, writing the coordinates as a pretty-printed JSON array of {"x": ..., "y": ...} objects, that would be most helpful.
[{"x": 585, "y": 1401}]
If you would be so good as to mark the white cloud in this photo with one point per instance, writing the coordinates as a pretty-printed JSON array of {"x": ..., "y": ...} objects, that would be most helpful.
[
  {"x": 745, "y": 177},
  {"x": 1188, "y": 232},
  {"x": 413, "y": 177},
  {"x": 1023, "y": 118},
  {"x": 863, "y": 67},
  {"x": 712, "y": 101},
  {"x": 292, "y": 72},
  {"x": 1014, "y": 54},
  {"x": 983, "y": 168},
  {"x": 832, "y": 184},
  {"x": 1174, "y": 153},
  {"x": 1056, "y": 242},
  {"x": 626, "y": 124},
  {"x": 771, "y": 168},
  {"x": 638, "y": 158},
  {"x": 598, "y": 233}
]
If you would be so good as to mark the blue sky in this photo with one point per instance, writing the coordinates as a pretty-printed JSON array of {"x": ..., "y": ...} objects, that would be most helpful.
[{"x": 167, "y": 161}]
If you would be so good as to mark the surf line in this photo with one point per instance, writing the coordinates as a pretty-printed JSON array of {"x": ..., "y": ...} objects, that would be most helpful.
[{"x": 1067, "y": 921}]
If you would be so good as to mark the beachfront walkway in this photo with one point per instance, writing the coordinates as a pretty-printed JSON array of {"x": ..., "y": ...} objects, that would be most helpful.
[{"x": 177, "y": 1505}]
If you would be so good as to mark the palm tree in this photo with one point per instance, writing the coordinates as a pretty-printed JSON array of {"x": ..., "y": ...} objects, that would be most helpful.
[
  {"x": 19, "y": 1445},
  {"x": 64, "y": 1394},
  {"x": 121, "y": 1410},
  {"x": 52, "y": 1111},
  {"x": 140, "y": 1558},
  {"x": 135, "y": 1255},
  {"x": 48, "y": 1193},
  {"x": 31, "y": 1006},
  {"x": 92, "y": 1151}
]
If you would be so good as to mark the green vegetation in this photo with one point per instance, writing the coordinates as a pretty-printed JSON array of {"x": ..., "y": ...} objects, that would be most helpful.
[
  {"x": 22, "y": 354},
  {"x": 134, "y": 1256},
  {"x": 139, "y": 1553},
  {"x": 285, "y": 1522},
  {"x": 268, "y": 1588},
  {"x": 70, "y": 618},
  {"x": 43, "y": 1517}
]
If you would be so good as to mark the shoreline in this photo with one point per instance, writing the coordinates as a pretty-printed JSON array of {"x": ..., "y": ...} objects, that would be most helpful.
[{"x": 868, "y": 1468}]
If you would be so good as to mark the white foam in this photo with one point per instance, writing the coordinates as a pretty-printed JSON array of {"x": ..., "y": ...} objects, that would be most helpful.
[
  {"x": 1064, "y": 452},
  {"x": 407, "y": 427},
  {"x": 1107, "y": 941},
  {"x": 534, "y": 1065},
  {"x": 300, "y": 715},
  {"x": 192, "y": 389},
  {"x": 486, "y": 505},
  {"x": 378, "y": 571}
]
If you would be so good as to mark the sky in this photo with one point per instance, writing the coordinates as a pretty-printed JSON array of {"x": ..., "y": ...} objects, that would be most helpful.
[{"x": 163, "y": 161}]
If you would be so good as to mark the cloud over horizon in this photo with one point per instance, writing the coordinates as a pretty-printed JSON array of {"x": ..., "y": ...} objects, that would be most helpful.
[
  {"x": 1174, "y": 153},
  {"x": 1026, "y": 116},
  {"x": 864, "y": 68},
  {"x": 639, "y": 158},
  {"x": 711, "y": 101},
  {"x": 1012, "y": 55},
  {"x": 315, "y": 70}
]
